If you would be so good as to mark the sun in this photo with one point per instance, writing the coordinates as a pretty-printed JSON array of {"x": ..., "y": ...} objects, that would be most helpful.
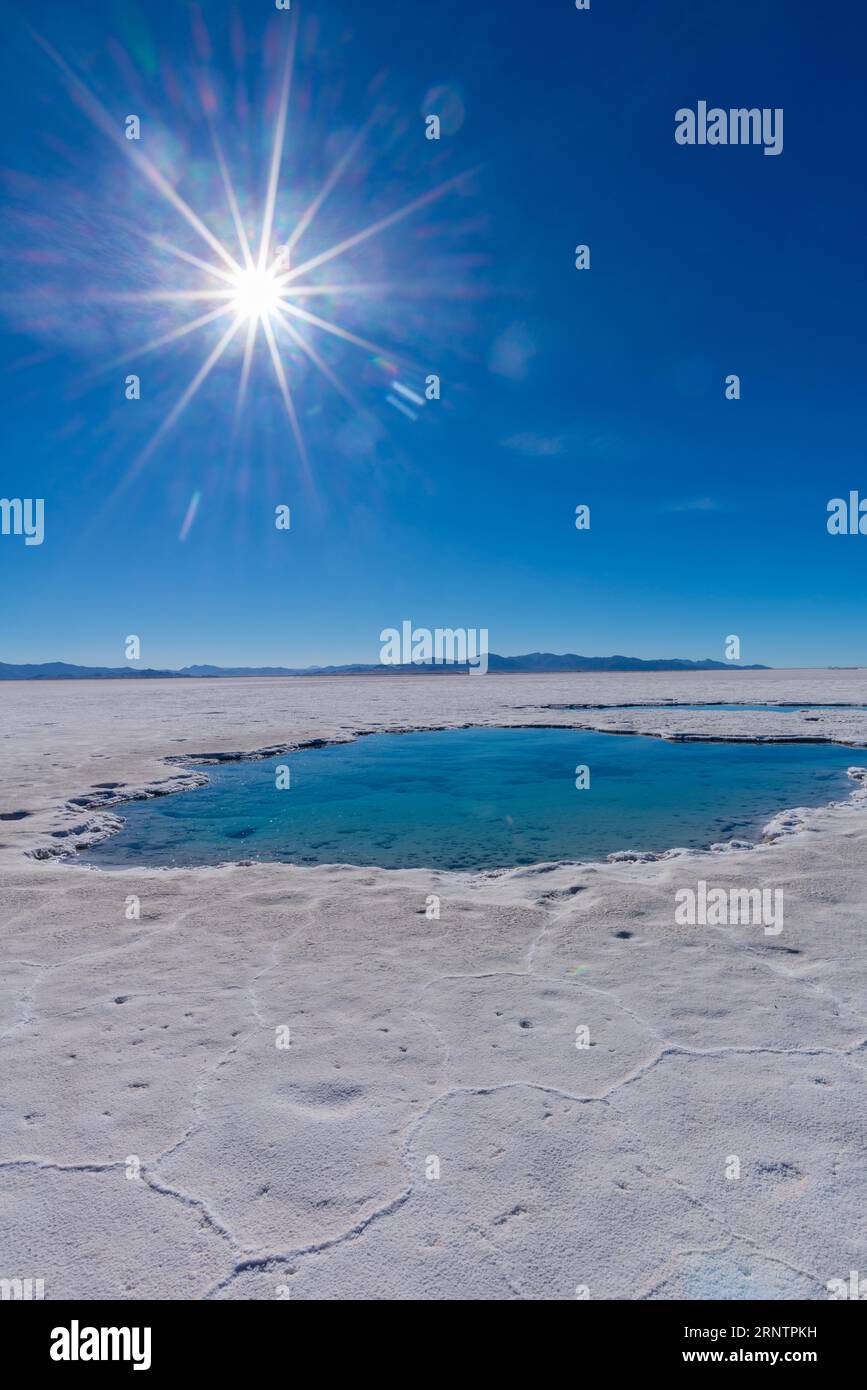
[
  {"x": 257, "y": 294},
  {"x": 257, "y": 288}
]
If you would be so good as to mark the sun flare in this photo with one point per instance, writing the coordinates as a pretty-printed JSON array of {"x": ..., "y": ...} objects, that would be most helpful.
[{"x": 259, "y": 285}]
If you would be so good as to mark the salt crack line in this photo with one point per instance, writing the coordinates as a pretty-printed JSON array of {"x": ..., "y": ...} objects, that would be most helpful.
[{"x": 265, "y": 1262}]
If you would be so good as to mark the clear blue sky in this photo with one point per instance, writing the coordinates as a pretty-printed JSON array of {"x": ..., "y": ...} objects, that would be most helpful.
[{"x": 559, "y": 387}]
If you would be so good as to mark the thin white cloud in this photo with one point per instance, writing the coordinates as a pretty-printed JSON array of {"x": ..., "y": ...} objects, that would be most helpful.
[
  {"x": 697, "y": 504},
  {"x": 534, "y": 446},
  {"x": 581, "y": 441}
]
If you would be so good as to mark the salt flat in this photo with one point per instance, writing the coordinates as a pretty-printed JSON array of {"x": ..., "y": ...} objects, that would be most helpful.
[{"x": 157, "y": 1142}]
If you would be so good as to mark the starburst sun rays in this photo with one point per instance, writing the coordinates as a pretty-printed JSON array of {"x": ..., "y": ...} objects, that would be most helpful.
[{"x": 258, "y": 290}]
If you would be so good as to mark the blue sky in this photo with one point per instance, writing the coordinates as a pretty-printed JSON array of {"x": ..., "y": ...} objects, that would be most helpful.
[{"x": 559, "y": 387}]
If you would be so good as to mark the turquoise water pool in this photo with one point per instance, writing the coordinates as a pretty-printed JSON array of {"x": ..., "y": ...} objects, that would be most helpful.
[{"x": 478, "y": 798}]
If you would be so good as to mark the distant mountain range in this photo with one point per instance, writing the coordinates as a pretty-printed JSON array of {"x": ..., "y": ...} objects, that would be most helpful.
[{"x": 532, "y": 662}]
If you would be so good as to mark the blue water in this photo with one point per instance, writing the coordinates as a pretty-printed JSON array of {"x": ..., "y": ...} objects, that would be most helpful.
[{"x": 477, "y": 798}]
